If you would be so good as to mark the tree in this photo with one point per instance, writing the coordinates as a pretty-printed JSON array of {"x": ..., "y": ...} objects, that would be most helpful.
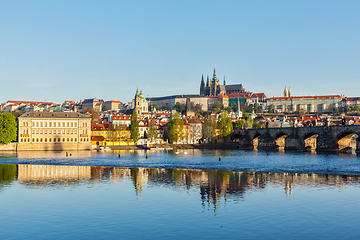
[
  {"x": 114, "y": 132},
  {"x": 217, "y": 106},
  {"x": 152, "y": 131},
  {"x": 134, "y": 127},
  {"x": 91, "y": 112},
  {"x": 257, "y": 125},
  {"x": 234, "y": 107},
  {"x": 239, "y": 124},
  {"x": 208, "y": 130},
  {"x": 8, "y": 130},
  {"x": 178, "y": 107},
  {"x": 356, "y": 108},
  {"x": 156, "y": 106},
  {"x": 225, "y": 126},
  {"x": 256, "y": 106},
  {"x": 175, "y": 128}
]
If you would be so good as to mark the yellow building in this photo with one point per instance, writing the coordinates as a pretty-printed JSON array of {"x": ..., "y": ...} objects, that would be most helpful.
[
  {"x": 102, "y": 136},
  {"x": 54, "y": 131}
]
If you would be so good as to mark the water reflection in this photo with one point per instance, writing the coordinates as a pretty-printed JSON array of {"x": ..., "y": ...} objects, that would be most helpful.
[{"x": 213, "y": 185}]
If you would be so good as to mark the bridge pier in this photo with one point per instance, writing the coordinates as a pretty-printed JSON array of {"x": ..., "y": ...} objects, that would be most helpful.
[
  {"x": 326, "y": 143},
  {"x": 293, "y": 142},
  {"x": 267, "y": 142}
]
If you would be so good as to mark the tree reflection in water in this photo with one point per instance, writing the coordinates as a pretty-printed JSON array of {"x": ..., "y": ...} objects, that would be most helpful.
[{"x": 213, "y": 185}]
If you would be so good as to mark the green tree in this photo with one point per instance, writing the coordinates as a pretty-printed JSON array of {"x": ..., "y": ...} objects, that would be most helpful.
[
  {"x": 225, "y": 126},
  {"x": 8, "y": 130},
  {"x": 217, "y": 106},
  {"x": 178, "y": 107},
  {"x": 239, "y": 124},
  {"x": 175, "y": 128},
  {"x": 356, "y": 108},
  {"x": 156, "y": 106},
  {"x": 256, "y": 125},
  {"x": 256, "y": 106},
  {"x": 152, "y": 131},
  {"x": 208, "y": 130},
  {"x": 134, "y": 127}
]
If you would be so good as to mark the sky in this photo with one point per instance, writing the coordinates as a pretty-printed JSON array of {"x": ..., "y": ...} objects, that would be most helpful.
[{"x": 72, "y": 50}]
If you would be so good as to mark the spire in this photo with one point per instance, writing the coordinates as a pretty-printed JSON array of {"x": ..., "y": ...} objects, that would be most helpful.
[
  {"x": 137, "y": 92},
  {"x": 207, "y": 81},
  {"x": 141, "y": 93},
  {"x": 289, "y": 93},
  {"x": 224, "y": 80},
  {"x": 214, "y": 76},
  {"x": 286, "y": 93}
]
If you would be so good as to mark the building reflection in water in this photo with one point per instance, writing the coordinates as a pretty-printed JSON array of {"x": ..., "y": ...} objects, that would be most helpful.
[{"x": 213, "y": 185}]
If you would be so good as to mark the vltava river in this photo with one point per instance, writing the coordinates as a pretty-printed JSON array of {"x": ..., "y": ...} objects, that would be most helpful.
[{"x": 184, "y": 195}]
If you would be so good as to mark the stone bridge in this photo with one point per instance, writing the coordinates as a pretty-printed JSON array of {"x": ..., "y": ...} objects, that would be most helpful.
[{"x": 320, "y": 138}]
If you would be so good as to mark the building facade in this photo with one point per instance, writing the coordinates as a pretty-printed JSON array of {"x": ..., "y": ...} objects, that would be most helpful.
[
  {"x": 311, "y": 104},
  {"x": 54, "y": 131}
]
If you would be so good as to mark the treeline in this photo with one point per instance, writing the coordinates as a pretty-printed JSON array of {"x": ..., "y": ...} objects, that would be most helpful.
[{"x": 8, "y": 129}]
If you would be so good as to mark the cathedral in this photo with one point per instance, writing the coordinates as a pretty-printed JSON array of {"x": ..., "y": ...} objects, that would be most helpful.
[{"x": 214, "y": 88}]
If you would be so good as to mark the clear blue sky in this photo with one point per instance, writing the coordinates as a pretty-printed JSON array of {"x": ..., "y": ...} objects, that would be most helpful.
[{"x": 71, "y": 50}]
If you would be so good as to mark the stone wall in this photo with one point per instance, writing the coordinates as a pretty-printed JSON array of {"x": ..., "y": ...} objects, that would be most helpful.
[
  {"x": 9, "y": 147},
  {"x": 54, "y": 146}
]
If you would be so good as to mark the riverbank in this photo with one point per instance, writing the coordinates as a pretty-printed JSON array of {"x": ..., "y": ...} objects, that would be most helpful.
[{"x": 230, "y": 145}]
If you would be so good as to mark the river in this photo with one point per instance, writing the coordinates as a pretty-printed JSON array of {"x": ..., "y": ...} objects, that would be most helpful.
[{"x": 179, "y": 195}]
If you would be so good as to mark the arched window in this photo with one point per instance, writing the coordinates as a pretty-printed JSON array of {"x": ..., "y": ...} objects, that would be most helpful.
[
  {"x": 28, "y": 139},
  {"x": 67, "y": 139},
  {"x": 54, "y": 139},
  {"x": 71, "y": 139},
  {"x": 33, "y": 139},
  {"x": 45, "y": 139},
  {"x": 40, "y": 139},
  {"x": 58, "y": 139},
  {"x": 21, "y": 140},
  {"x": 37, "y": 140},
  {"x": 63, "y": 139},
  {"x": 49, "y": 139}
]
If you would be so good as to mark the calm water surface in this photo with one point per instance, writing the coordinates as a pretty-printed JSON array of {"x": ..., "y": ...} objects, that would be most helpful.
[{"x": 185, "y": 195}]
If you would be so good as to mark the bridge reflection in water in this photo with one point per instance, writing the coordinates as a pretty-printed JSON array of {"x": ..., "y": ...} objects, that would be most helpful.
[{"x": 213, "y": 185}]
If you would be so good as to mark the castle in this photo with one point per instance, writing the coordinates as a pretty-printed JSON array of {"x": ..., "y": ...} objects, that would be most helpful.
[{"x": 214, "y": 88}]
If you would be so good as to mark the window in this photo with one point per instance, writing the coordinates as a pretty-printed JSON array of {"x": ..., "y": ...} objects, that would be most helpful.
[
  {"x": 45, "y": 124},
  {"x": 63, "y": 139},
  {"x": 67, "y": 139},
  {"x": 54, "y": 139},
  {"x": 33, "y": 139},
  {"x": 75, "y": 139},
  {"x": 37, "y": 131},
  {"x": 24, "y": 124},
  {"x": 58, "y": 124},
  {"x": 67, "y": 131},
  {"x": 49, "y": 139},
  {"x": 45, "y": 139},
  {"x": 71, "y": 139},
  {"x": 33, "y": 131},
  {"x": 40, "y": 139},
  {"x": 50, "y": 131},
  {"x": 74, "y": 131},
  {"x": 21, "y": 140},
  {"x": 67, "y": 124},
  {"x": 41, "y": 131},
  {"x": 63, "y": 124},
  {"x": 49, "y": 124},
  {"x": 41, "y": 124},
  {"x": 28, "y": 139},
  {"x": 63, "y": 131},
  {"x": 58, "y": 139},
  {"x": 74, "y": 124},
  {"x": 71, "y": 132},
  {"x": 45, "y": 131}
]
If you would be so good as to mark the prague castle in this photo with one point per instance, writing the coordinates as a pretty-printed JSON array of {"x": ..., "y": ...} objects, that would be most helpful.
[{"x": 214, "y": 88}]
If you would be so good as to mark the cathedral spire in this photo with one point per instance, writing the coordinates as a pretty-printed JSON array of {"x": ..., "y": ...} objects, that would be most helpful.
[
  {"x": 224, "y": 80},
  {"x": 286, "y": 93},
  {"x": 214, "y": 76}
]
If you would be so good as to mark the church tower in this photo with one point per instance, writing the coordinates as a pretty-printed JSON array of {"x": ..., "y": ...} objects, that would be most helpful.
[
  {"x": 290, "y": 94},
  {"x": 286, "y": 93},
  {"x": 202, "y": 86}
]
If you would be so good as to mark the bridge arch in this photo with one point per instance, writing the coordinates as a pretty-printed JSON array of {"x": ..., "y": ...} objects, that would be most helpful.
[
  {"x": 280, "y": 139},
  {"x": 255, "y": 139},
  {"x": 346, "y": 139},
  {"x": 310, "y": 140}
]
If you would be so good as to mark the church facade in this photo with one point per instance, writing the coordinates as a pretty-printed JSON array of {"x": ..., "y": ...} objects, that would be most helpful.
[{"x": 214, "y": 88}]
